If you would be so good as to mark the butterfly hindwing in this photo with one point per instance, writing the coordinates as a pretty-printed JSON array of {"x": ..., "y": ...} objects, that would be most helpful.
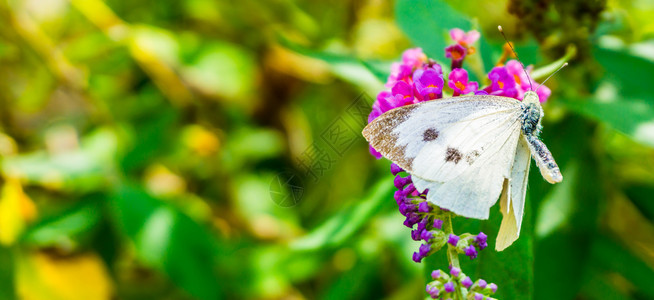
[{"x": 512, "y": 202}]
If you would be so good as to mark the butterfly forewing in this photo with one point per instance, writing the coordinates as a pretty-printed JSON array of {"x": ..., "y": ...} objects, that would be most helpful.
[
  {"x": 472, "y": 192},
  {"x": 455, "y": 128}
]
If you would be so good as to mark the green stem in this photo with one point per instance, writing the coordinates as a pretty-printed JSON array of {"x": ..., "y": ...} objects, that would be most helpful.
[{"x": 452, "y": 254}]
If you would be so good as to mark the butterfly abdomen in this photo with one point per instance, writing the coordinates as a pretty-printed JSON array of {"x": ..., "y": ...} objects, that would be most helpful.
[{"x": 543, "y": 157}]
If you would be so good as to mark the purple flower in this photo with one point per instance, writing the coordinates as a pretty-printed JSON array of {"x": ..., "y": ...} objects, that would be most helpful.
[
  {"x": 416, "y": 257},
  {"x": 406, "y": 208},
  {"x": 433, "y": 292},
  {"x": 403, "y": 93},
  {"x": 464, "y": 38},
  {"x": 424, "y": 207},
  {"x": 523, "y": 81},
  {"x": 493, "y": 287},
  {"x": 429, "y": 83},
  {"x": 401, "y": 182},
  {"x": 467, "y": 282},
  {"x": 435, "y": 274},
  {"x": 395, "y": 169},
  {"x": 399, "y": 72},
  {"x": 479, "y": 296},
  {"x": 480, "y": 239},
  {"x": 416, "y": 234},
  {"x": 471, "y": 251},
  {"x": 502, "y": 83},
  {"x": 426, "y": 235},
  {"x": 424, "y": 249},
  {"x": 543, "y": 93},
  {"x": 414, "y": 57},
  {"x": 453, "y": 239},
  {"x": 458, "y": 81},
  {"x": 514, "y": 68},
  {"x": 374, "y": 152},
  {"x": 411, "y": 219},
  {"x": 481, "y": 92},
  {"x": 409, "y": 189},
  {"x": 481, "y": 283},
  {"x": 449, "y": 287},
  {"x": 438, "y": 224},
  {"x": 455, "y": 52},
  {"x": 454, "y": 271},
  {"x": 422, "y": 225}
]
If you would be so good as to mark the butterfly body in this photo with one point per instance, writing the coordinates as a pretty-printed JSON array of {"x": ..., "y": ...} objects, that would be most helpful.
[{"x": 467, "y": 152}]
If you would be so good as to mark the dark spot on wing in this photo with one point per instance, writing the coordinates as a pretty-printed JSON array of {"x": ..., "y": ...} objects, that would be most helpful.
[
  {"x": 471, "y": 156},
  {"x": 453, "y": 155},
  {"x": 430, "y": 135}
]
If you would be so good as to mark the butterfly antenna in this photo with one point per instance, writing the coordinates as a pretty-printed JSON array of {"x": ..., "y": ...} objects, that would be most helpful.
[
  {"x": 548, "y": 77},
  {"x": 499, "y": 27}
]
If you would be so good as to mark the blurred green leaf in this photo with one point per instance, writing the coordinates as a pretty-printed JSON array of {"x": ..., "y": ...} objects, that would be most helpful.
[
  {"x": 427, "y": 23},
  {"x": 224, "y": 70},
  {"x": 641, "y": 196},
  {"x": 558, "y": 206},
  {"x": 381, "y": 70},
  {"x": 168, "y": 240},
  {"x": 633, "y": 72},
  {"x": 568, "y": 244},
  {"x": 598, "y": 285},
  {"x": 632, "y": 117},
  {"x": 7, "y": 290},
  {"x": 83, "y": 169},
  {"x": 607, "y": 254},
  {"x": 150, "y": 137},
  {"x": 68, "y": 226},
  {"x": 341, "y": 226},
  {"x": 367, "y": 75}
]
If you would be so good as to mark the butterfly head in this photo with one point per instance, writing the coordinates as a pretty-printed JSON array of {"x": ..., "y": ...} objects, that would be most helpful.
[{"x": 531, "y": 97}]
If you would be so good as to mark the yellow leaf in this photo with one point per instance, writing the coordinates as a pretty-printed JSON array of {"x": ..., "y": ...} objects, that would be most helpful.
[
  {"x": 16, "y": 209},
  {"x": 44, "y": 276}
]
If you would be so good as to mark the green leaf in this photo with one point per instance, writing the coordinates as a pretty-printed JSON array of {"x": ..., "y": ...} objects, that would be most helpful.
[
  {"x": 7, "y": 291},
  {"x": 69, "y": 226},
  {"x": 512, "y": 269},
  {"x": 427, "y": 23},
  {"x": 561, "y": 256},
  {"x": 612, "y": 256},
  {"x": 381, "y": 70},
  {"x": 167, "y": 240},
  {"x": 558, "y": 206},
  {"x": 619, "y": 62},
  {"x": 641, "y": 196},
  {"x": 151, "y": 136},
  {"x": 635, "y": 118},
  {"x": 81, "y": 170},
  {"x": 343, "y": 225},
  {"x": 366, "y": 75}
]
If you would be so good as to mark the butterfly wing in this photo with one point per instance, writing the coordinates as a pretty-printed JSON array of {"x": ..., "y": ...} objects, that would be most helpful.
[
  {"x": 472, "y": 192},
  {"x": 461, "y": 148},
  {"x": 512, "y": 202}
]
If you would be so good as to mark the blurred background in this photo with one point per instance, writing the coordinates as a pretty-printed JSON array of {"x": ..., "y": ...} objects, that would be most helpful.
[{"x": 207, "y": 149}]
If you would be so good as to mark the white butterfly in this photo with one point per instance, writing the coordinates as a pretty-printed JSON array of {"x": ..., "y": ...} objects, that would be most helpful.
[{"x": 467, "y": 151}]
